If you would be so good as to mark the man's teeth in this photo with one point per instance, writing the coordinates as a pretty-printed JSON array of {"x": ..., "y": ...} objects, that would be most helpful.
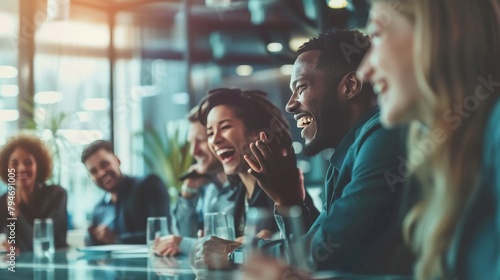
[
  {"x": 304, "y": 121},
  {"x": 106, "y": 178},
  {"x": 221, "y": 151}
]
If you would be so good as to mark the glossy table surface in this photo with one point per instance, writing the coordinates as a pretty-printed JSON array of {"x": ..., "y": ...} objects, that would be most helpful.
[{"x": 74, "y": 265}]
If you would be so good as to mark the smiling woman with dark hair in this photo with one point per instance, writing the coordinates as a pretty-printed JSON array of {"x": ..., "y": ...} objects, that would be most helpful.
[
  {"x": 27, "y": 160},
  {"x": 234, "y": 118}
]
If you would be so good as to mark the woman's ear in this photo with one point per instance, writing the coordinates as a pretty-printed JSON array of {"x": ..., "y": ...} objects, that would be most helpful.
[{"x": 349, "y": 86}]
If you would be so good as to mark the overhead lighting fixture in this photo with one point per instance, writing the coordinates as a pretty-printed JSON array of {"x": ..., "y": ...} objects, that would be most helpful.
[
  {"x": 96, "y": 104},
  {"x": 286, "y": 69},
  {"x": 9, "y": 90},
  {"x": 8, "y": 72},
  {"x": 83, "y": 116},
  {"x": 337, "y": 4},
  {"x": 244, "y": 70},
  {"x": 217, "y": 3},
  {"x": 296, "y": 42},
  {"x": 274, "y": 47},
  {"x": 48, "y": 97},
  {"x": 180, "y": 98},
  {"x": 9, "y": 115}
]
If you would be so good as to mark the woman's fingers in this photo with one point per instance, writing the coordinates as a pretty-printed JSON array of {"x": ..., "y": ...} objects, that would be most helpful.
[
  {"x": 257, "y": 153},
  {"x": 255, "y": 166},
  {"x": 264, "y": 148}
]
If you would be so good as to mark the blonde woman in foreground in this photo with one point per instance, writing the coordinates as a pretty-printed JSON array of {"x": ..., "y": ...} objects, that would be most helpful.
[{"x": 436, "y": 66}]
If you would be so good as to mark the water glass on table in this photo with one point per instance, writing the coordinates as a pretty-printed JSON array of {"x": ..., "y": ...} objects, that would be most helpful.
[
  {"x": 43, "y": 238},
  {"x": 220, "y": 225},
  {"x": 157, "y": 227},
  {"x": 255, "y": 222}
]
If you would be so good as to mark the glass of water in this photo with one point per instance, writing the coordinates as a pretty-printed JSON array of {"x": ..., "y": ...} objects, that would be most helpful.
[
  {"x": 157, "y": 227},
  {"x": 220, "y": 225},
  {"x": 43, "y": 238}
]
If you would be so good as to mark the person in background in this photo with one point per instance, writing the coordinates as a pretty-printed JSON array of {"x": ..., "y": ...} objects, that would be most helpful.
[
  {"x": 199, "y": 192},
  {"x": 235, "y": 118},
  {"x": 436, "y": 66},
  {"x": 121, "y": 216},
  {"x": 359, "y": 228},
  {"x": 27, "y": 162}
]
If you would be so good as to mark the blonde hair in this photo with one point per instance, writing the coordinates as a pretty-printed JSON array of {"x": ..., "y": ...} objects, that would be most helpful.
[{"x": 456, "y": 43}]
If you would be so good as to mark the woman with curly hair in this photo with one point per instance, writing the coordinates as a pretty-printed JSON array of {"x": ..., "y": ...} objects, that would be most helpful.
[{"x": 25, "y": 166}]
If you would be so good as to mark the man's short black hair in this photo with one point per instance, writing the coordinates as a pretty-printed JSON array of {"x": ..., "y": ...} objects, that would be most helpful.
[
  {"x": 341, "y": 50},
  {"x": 94, "y": 147}
]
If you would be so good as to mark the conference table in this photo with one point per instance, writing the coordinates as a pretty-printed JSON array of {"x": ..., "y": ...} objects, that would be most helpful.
[{"x": 77, "y": 265}]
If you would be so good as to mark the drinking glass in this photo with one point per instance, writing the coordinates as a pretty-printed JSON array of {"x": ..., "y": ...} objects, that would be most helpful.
[
  {"x": 157, "y": 227},
  {"x": 43, "y": 238},
  {"x": 220, "y": 225}
]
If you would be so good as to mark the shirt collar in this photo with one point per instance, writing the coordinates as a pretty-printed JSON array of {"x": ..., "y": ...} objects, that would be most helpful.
[
  {"x": 107, "y": 198},
  {"x": 339, "y": 155}
]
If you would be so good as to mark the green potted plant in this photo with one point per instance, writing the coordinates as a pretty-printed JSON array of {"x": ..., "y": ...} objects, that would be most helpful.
[{"x": 166, "y": 153}]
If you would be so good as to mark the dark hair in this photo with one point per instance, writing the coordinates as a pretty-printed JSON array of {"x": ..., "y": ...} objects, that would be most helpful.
[
  {"x": 32, "y": 145},
  {"x": 96, "y": 146},
  {"x": 253, "y": 108},
  {"x": 341, "y": 50}
]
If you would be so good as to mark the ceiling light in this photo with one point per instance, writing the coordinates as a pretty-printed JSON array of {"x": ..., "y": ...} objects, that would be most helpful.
[
  {"x": 9, "y": 90},
  {"x": 286, "y": 69},
  {"x": 274, "y": 47},
  {"x": 244, "y": 70},
  {"x": 337, "y": 4},
  {"x": 7, "y": 72},
  {"x": 83, "y": 116},
  {"x": 96, "y": 104},
  {"x": 9, "y": 115},
  {"x": 48, "y": 97},
  {"x": 296, "y": 42},
  {"x": 217, "y": 3}
]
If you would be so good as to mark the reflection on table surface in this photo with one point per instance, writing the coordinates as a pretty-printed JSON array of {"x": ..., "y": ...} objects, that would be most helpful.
[{"x": 74, "y": 265}]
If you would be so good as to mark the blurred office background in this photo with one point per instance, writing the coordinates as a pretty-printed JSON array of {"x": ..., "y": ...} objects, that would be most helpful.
[{"x": 73, "y": 71}]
